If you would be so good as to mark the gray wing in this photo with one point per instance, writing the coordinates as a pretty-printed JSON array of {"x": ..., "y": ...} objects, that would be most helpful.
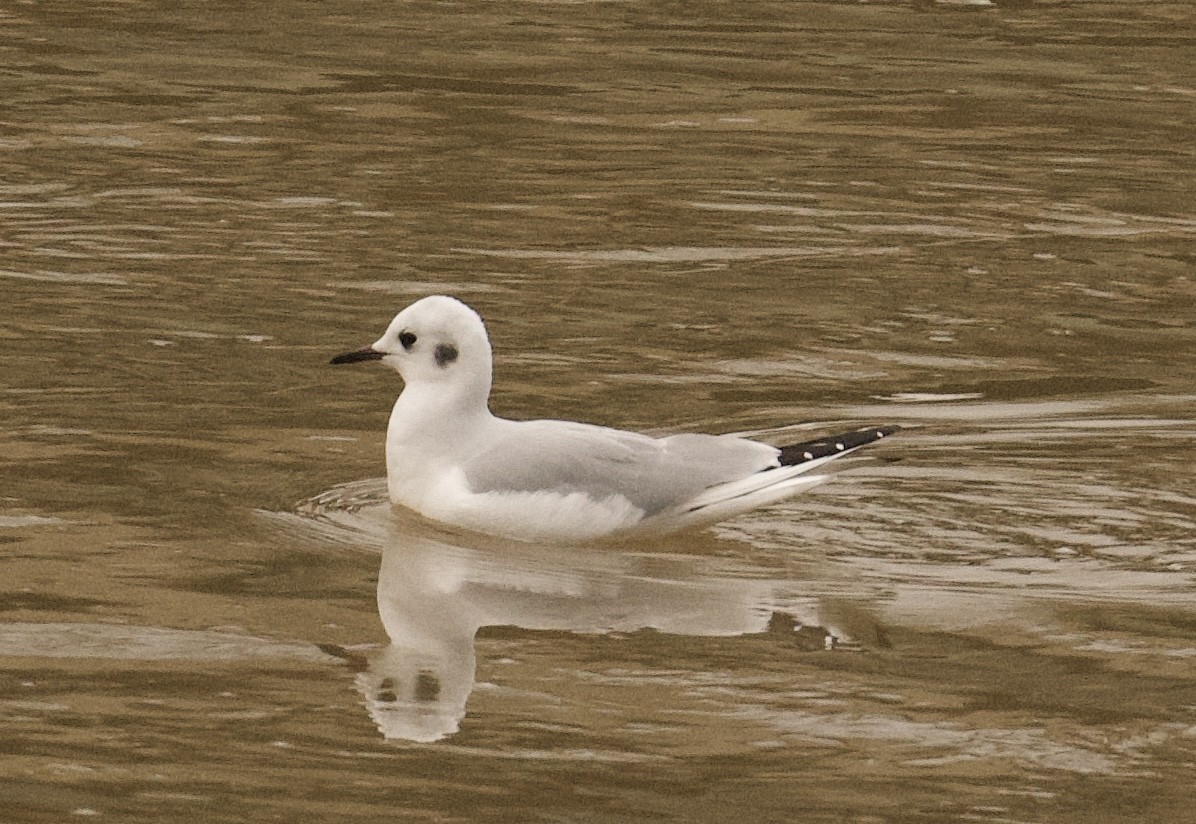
[{"x": 652, "y": 473}]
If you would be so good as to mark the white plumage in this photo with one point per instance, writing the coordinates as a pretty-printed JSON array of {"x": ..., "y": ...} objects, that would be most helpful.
[{"x": 451, "y": 460}]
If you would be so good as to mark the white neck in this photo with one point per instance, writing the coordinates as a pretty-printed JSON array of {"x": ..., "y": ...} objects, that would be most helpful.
[{"x": 430, "y": 425}]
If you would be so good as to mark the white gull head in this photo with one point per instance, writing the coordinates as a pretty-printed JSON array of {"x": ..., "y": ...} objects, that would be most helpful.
[{"x": 439, "y": 340}]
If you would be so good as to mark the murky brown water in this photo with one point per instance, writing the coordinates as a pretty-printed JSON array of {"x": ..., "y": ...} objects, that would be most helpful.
[{"x": 973, "y": 220}]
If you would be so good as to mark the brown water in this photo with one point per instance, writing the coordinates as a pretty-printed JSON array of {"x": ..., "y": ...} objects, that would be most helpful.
[{"x": 777, "y": 218}]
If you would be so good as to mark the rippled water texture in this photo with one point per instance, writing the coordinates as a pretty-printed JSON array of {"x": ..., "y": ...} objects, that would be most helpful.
[{"x": 974, "y": 219}]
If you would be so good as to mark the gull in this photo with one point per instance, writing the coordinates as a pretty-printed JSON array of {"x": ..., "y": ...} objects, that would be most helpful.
[{"x": 451, "y": 460}]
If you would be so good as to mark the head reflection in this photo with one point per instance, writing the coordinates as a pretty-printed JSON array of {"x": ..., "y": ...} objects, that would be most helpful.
[{"x": 436, "y": 590}]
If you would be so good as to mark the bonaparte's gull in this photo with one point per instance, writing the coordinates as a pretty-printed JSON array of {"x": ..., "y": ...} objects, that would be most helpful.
[{"x": 451, "y": 460}]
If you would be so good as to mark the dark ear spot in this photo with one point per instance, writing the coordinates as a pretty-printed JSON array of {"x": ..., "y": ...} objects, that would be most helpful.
[
  {"x": 446, "y": 353},
  {"x": 427, "y": 685}
]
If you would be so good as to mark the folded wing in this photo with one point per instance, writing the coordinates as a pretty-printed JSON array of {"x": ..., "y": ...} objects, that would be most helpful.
[
  {"x": 673, "y": 482},
  {"x": 652, "y": 474}
]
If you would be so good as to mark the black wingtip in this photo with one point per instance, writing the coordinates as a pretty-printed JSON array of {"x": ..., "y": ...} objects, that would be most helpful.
[{"x": 799, "y": 453}]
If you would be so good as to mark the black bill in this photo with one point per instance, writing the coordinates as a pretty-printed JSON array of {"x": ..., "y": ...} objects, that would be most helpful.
[{"x": 359, "y": 355}]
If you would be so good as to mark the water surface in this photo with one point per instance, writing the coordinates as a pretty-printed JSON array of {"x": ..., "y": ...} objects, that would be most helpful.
[{"x": 773, "y": 218}]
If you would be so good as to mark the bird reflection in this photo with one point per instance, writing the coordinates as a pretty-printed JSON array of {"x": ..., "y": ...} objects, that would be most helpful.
[{"x": 436, "y": 590}]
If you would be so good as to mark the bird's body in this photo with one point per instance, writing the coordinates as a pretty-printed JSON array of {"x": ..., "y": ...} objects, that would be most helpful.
[{"x": 450, "y": 459}]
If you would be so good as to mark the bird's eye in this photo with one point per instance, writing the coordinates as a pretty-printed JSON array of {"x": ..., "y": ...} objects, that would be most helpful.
[{"x": 407, "y": 339}]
